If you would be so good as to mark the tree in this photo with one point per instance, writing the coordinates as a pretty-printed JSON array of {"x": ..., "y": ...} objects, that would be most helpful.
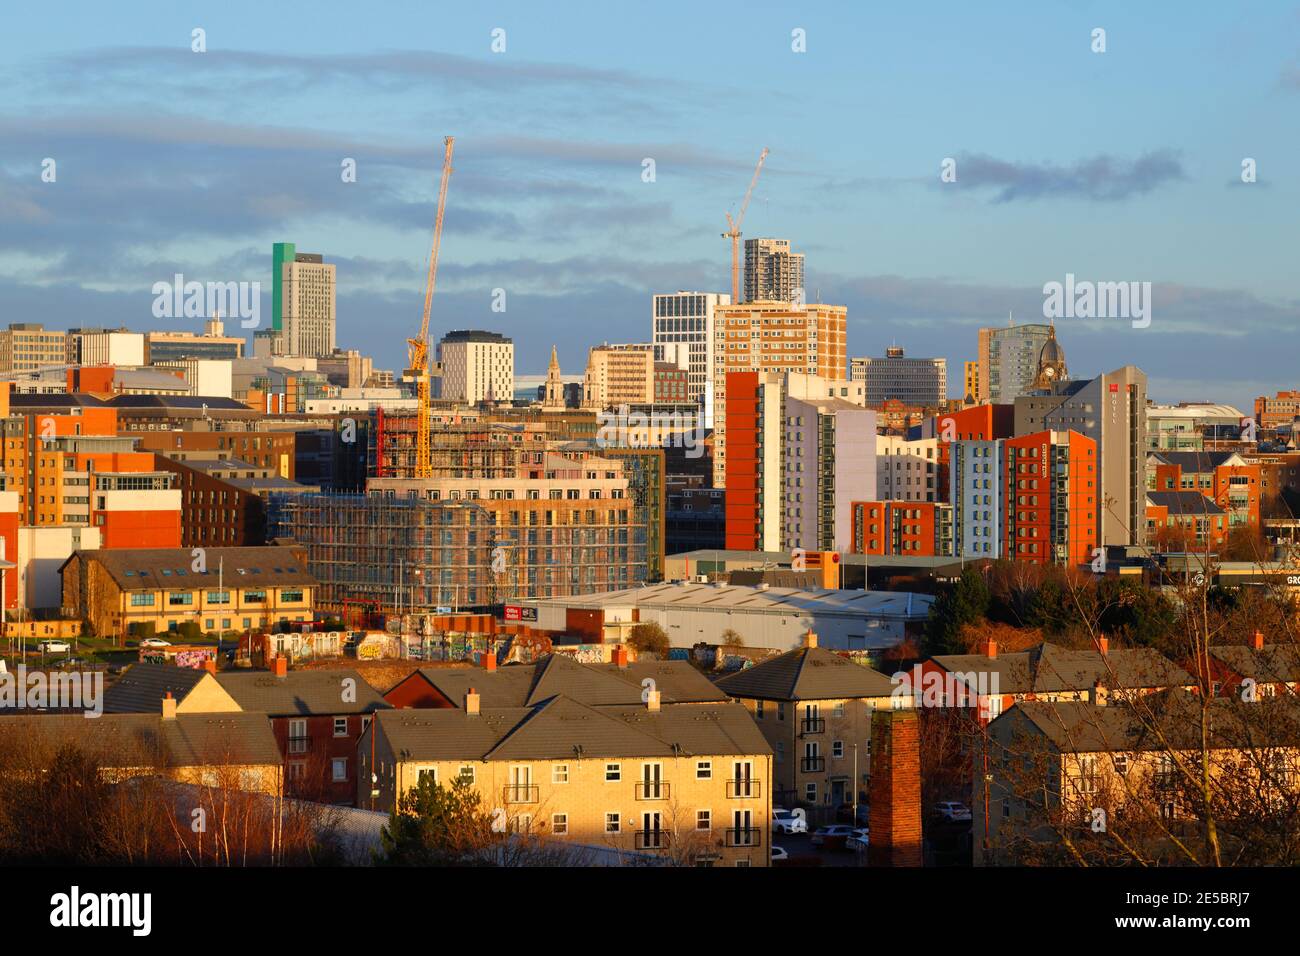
[
  {"x": 434, "y": 825},
  {"x": 732, "y": 638},
  {"x": 966, "y": 602},
  {"x": 649, "y": 638}
]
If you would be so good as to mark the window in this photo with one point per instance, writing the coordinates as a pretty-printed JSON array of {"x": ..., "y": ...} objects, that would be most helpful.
[
  {"x": 758, "y": 709},
  {"x": 704, "y": 770},
  {"x": 780, "y": 710},
  {"x": 466, "y": 773},
  {"x": 611, "y": 823},
  {"x": 837, "y": 749},
  {"x": 559, "y": 824},
  {"x": 141, "y": 600},
  {"x": 339, "y": 769},
  {"x": 340, "y": 726},
  {"x": 613, "y": 773},
  {"x": 291, "y": 595},
  {"x": 810, "y": 792},
  {"x": 560, "y": 773},
  {"x": 255, "y": 597},
  {"x": 429, "y": 774},
  {"x": 704, "y": 819}
]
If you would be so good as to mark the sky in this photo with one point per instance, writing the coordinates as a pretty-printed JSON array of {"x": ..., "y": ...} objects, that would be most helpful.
[{"x": 1123, "y": 165}]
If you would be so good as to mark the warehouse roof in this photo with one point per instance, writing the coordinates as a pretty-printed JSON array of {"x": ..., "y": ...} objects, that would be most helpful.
[{"x": 771, "y": 600}]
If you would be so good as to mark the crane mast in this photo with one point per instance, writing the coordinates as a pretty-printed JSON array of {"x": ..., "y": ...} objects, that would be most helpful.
[
  {"x": 418, "y": 347},
  {"x": 733, "y": 230}
]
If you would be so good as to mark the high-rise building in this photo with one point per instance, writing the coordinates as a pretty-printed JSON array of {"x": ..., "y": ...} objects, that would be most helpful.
[
  {"x": 112, "y": 348},
  {"x": 913, "y": 381},
  {"x": 176, "y": 346},
  {"x": 971, "y": 391},
  {"x": 619, "y": 375},
  {"x": 26, "y": 346},
  {"x": 683, "y": 322},
  {"x": 772, "y": 272},
  {"x": 809, "y": 340},
  {"x": 907, "y": 470},
  {"x": 1111, "y": 410},
  {"x": 902, "y": 528},
  {"x": 303, "y": 313},
  {"x": 1008, "y": 361},
  {"x": 477, "y": 366},
  {"x": 802, "y": 453}
]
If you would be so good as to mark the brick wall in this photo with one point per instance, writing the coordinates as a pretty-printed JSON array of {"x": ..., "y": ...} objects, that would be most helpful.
[{"x": 895, "y": 789}]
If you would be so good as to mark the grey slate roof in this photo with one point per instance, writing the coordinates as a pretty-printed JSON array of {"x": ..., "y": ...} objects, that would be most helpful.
[
  {"x": 1047, "y": 668},
  {"x": 598, "y": 685},
  {"x": 302, "y": 692},
  {"x": 149, "y": 569},
  {"x": 1274, "y": 663},
  {"x": 1184, "y": 502},
  {"x": 807, "y": 673},
  {"x": 560, "y": 728},
  {"x": 142, "y": 687},
  {"x": 139, "y": 740},
  {"x": 1194, "y": 462}
]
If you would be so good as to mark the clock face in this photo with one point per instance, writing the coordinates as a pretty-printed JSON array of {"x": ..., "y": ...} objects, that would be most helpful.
[{"x": 1049, "y": 372}]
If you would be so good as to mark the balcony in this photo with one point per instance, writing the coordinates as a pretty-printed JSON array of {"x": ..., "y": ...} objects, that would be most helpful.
[
  {"x": 650, "y": 839},
  {"x": 744, "y": 836},
  {"x": 812, "y": 725},
  {"x": 743, "y": 788},
  {"x": 812, "y": 764},
  {"x": 299, "y": 745},
  {"x": 520, "y": 793},
  {"x": 652, "y": 790}
]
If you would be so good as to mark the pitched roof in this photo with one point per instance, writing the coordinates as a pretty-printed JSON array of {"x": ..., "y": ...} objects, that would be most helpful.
[
  {"x": 599, "y": 685},
  {"x": 807, "y": 673},
  {"x": 1273, "y": 663},
  {"x": 148, "y": 569},
  {"x": 142, "y": 687},
  {"x": 1195, "y": 462},
  {"x": 1168, "y": 720},
  {"x": 139, "y": 740},
  {"x": 560, "y": 728},
  {"x": 303, "y": 692},
  {"x": 1184, "y": 502},
  {"x": 1047, "y": 668}
]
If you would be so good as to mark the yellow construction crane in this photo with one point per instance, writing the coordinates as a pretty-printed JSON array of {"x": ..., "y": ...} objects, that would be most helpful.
[
  {"x": 733, "y": 231},
  {"x": 418, "y": 348}
]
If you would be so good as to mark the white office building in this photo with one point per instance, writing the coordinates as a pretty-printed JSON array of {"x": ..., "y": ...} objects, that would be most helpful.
[
  {"x": 477, "y": 366},
  {"x": 683, "y": 336}
]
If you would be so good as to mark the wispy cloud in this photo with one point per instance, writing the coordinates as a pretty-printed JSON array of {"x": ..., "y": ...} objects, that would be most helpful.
[{"x": 1103, "y": 178}]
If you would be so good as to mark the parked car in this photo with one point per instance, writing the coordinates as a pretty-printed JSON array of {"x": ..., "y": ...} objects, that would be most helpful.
[
  {"x": 858, "y": 841},
  {"x": 53, "y": 647},
  {"x": 832, "y": 837},
  {"x": 155, "y": 642},
  {"x": 953, "y": 810},
  {"x": 779, "y": 855},
  {"x": 787, "y": 821}
]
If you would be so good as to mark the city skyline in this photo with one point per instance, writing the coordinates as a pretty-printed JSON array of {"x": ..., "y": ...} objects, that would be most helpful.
[{"x": 1132, "y": 174}]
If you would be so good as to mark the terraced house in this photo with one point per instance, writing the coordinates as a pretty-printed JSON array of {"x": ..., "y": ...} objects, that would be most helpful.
[
  {"x": 679, "y": 784},
  {"x": 237, "y": 588},
  {"x": 814, "y": 708}
]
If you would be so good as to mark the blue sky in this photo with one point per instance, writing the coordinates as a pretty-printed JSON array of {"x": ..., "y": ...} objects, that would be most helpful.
[{"x": 1123, "y": 165}]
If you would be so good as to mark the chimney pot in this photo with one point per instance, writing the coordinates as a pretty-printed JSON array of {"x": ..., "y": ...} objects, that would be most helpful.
[
  {"x": 489, "y": 660},
  {"x": 810, "y": 639},
  {"x": 1257, "y": 640},
  {"x": 472, "y": 702},
  {"x": 989, "y": 649},
  {"x": 280, "y": 666},
  {"x": 210, "y": 666},
  {"x": 1103, "y": 645},
  {"x": 169, "y": 707},
  {"x": 652, "y": 701},
  {"x": 620, "y": 655}
]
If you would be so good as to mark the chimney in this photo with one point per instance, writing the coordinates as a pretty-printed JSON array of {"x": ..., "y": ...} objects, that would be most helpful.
[
  {"x": 472, "y": 702},
  {"x": 620, "y": 655},
  {"x": 489, "y": 660},
  {"x": 1103, "y": 645},
  {"x": 810, "y": 639},
  {"x": 989, "y": 649},
  {"x": 895, "y": 789},
  {"x": 652, "y": 701},
  {"x": 280, "y": 666},
  {"x": 1257, "y": 640},
  {"x": 169, "y": 707},
  {"x": 211, "y": 667}
]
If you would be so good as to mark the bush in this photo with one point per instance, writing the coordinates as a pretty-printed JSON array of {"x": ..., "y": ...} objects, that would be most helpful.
[
  {"x": 649, "y": 638},
  {"x": 189, "y": 631},
  {"x": 141, "y": 630}
]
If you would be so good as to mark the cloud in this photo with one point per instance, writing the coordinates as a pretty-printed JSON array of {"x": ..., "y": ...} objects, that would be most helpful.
[{"x": 1102, "y": 178}]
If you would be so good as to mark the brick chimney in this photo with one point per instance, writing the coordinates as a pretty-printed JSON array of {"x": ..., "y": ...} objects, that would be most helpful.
[
  {"x": 620, "y": 655},
  {"x": 472, "y": 703},
  {"x": 1103, "y": 645},
  {"x": 210, "y": 666},
  {"x": 489, "y": 660},
  {"x": 810, "y": 639},
  {"x": 989, "y": 649},
  {"x": 895, "y": 789},
  {"x": 169, "y": 707},
  {"x": 1257, "y": 640},
  {"x": 652, "y": 699},
  {"x": 280, "y": 666}
]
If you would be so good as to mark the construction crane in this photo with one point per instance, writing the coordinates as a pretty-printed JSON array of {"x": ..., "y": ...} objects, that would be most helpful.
[
  {"x": 733, "y": 230},
  {"x": 418, "y": 347}
]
